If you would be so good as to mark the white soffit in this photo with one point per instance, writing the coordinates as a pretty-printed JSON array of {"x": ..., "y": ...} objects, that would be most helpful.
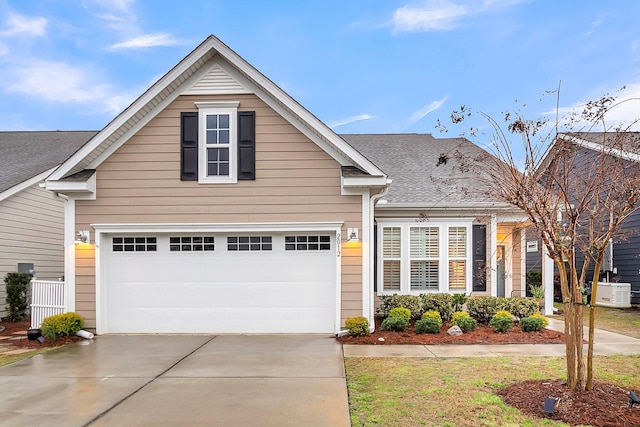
[{"x": 216, "y": 81}]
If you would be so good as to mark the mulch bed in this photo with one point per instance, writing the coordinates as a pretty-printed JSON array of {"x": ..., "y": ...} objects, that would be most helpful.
[
  {"x": 23, "y": 326},
  {"x": 606, "y": 405}
]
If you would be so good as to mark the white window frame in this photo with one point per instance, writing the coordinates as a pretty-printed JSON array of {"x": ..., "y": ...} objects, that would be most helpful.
[
  {"x": 443, "y": 256},
  {"x": 216, "y": 108}
]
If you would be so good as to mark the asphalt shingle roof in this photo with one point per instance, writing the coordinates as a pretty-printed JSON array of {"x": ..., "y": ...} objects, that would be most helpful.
[
  {"x": 434, "y": 172},
  {"x": 24, "y": 155}
]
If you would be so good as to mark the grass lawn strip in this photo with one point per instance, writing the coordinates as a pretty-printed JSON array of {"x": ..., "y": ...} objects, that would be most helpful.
[
  {"x": 10, "y": 357},
  {"x": 459, "y": 392},
  {"x": 625, "y": 321}
]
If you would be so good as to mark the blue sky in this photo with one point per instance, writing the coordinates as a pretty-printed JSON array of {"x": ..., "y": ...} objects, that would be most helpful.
[{"x": 361, "y": 66}]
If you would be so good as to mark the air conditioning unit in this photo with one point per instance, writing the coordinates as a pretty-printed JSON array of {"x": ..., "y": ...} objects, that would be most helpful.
[{"x": 613, "y": 295}]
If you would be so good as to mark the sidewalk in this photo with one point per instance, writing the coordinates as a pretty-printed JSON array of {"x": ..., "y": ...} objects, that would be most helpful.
[{"x": 606, "y": 344}]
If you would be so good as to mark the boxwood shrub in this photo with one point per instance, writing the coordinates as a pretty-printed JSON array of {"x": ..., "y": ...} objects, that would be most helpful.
[
  {"x": 442, "y": 303},
  {"x": 357, "y": 326},
  {"x": 483, "y": 308},
  {"x": 60, "y": 325},
  {"x": 400, "y": 312},
  {"x": 521, "y": 307},
  {"x": 501, "y": 322},
  {"x": 429, "y": 325},
  {"x": 410, "y": 302},
  {"x": 457, "y": 315},
  {"x": 531, "y": 324},
  {"x": 394, "y": 324},
  {"x": 466, "y": 324}
]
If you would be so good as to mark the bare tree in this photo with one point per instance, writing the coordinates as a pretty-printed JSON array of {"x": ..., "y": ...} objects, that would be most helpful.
[{"x": 576, "y": 187}]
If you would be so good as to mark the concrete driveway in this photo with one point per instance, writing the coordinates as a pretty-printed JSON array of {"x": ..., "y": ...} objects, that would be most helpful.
[{"x": 226, "y": 380}]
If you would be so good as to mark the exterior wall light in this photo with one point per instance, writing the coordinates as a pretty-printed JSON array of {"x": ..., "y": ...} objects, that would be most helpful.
[
  {"x": 82, "y": 236},
  {"x": 352, "y": 235}
]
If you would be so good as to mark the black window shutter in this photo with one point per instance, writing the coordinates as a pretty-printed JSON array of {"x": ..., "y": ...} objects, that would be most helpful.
[
  {"x": 246, "y": 145},
  {"x": 479, "y": 257},
  {"x": 189, "y": 146}
]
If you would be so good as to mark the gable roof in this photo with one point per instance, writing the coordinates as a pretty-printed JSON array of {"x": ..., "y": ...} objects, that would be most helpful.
[
  {"x": 27, "y": 154},
  {"x": 190, "y": 75},
  {"x": 427, "y": 172}
]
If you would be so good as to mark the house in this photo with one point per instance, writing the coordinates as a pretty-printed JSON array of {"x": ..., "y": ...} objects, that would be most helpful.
[
  {"x": 215, "y": 203},
  {"x": 31, "y": 219},
  {"x": 623, "y": 262}
]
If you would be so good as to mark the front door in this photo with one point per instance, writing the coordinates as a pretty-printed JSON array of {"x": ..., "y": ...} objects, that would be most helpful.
[{"x": 500, "y": 270}]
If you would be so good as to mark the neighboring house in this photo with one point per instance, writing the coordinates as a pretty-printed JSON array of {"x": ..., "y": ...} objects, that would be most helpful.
[
  {"x": 31, "y": 218},
  {"x": 625, "y": 260},
  {"x": 217, "y": 203}
]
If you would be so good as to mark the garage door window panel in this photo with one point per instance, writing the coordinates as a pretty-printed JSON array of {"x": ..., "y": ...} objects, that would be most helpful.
[
  {"x": 307, "y": 243},
  {"x": 249, "y": 243},
  {"x": 191, "y": 243},
  {"x": 134, "y": 244}
]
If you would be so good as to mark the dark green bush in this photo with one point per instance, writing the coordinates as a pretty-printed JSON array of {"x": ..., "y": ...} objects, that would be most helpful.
[
  {"x": 458, "y": 300},
  {"x": 501, "y": 322},
  {"x": 428, "y": 325},
  {"x": 442, "y": 303},
  {"x": 394, "y": 324},
  {"x": 61, "y": 325},
  {"x": 531, "y": 324},
  {"x": 17, "y": 285},
  {"x": 357, "y": 326},
  {"x": 410, "y": 302},
  {"x": 466, "y": 324},
  {"x": 400, "y": 312},
  {"x": 457, "y": 315},
  {"x": 521, "y": 307},
  {"x": 483, "y": 308}
]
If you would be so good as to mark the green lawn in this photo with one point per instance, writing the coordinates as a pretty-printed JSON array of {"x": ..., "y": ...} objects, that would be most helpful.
[
  {"x": 622, "y": 320},
  {"x": 406, "y": 392},
  {"x": 5, "y": 359}
]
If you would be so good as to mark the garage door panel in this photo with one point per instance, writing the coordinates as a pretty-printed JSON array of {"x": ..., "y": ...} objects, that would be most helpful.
[{"x": 217, "y": 291}]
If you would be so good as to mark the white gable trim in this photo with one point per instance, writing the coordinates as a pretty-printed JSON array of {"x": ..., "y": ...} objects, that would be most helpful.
[{"x": 24, "y": 185}]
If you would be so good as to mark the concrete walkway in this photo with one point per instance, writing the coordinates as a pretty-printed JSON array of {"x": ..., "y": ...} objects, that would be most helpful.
[
  {"x": 606, "y": 343},
  {"x": 174, "y": 380}
]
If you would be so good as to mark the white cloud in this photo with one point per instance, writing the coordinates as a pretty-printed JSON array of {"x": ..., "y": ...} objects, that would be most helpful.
[
  {"x": 19, "y": 24},
  {"x": 58, "y": 82},
  {"x": 350, "y": 120},
  {"x": 146, "y": 41},
  {"x": 420, "y": 114},
  {"x": 435, "y": 15}
]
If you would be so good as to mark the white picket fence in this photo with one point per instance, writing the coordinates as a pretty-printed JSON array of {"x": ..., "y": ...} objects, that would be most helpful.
[{"x": 47, "y": 299}]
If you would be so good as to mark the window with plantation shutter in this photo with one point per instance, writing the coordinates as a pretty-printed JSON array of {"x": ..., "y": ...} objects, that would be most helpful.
[
  {"x": 425, "y": 271},
  {"x": 457, "y": 258},
  {"x": 391, "y": 254}
]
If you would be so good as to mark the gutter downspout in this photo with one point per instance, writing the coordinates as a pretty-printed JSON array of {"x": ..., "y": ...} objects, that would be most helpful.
[
  {"x": 69, "y": 250},
  {"x": 373, "y": 199}
]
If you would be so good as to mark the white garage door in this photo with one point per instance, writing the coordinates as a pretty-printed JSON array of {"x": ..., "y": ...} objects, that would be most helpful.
[{"x": 219, "y": 283}]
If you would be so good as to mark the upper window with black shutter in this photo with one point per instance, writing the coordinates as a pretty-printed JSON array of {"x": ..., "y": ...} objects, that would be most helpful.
[{"x": 217, "y": 142}]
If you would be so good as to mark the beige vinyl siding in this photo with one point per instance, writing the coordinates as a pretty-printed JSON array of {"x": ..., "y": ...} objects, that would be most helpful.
[
  {"x": 296, "y": 181},
  {"x": 31, "y": 231}
]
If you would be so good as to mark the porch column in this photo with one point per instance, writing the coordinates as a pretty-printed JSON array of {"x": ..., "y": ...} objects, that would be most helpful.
[
  {"x": 493, "y": 242},
  {"x": 547, "y": 281}
]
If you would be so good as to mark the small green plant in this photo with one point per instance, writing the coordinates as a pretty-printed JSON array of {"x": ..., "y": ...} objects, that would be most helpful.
[
  {"x": 357, "y": 326},
  {"x": 432, "y": 314},
  {"x": 545, "y": 321},
  {"x": 501, "y": 322},
  {"x": 537, "y": 291},
  {"x": 17, "y": 285},
  {"x": 458, "y": 301},
  {"x": 467, "y": 324},
  {"x": 442, "y": 303},
  {"x": 61, "y": 325},
  {"x": 405, "y": 313},
  {"x": 483, "y": 308},
  {"x": 457, "y": 315},
  {"x": 399, "y": 324},
  {"x": 531, "y": 324},
  {"x": 429, "y": 325},
  {"x": 410, "y": 302}
]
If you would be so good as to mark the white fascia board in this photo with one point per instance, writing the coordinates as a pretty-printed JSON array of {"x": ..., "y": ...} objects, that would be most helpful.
[
  {"x": 25, "y": 184},
  {"x": 625, "y": 155},
  {"x": 462, "y": 206},
  {"x": 68, "y": 186},
  {"x": 365, "y": 181},
  {"x": 219, "y": 228}
]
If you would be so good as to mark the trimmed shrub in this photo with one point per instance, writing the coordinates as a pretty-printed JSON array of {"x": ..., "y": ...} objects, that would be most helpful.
[
  {"x": 457, "y": 315},
  {"x": 61, "y": 325},
  {"x": 545, "y": 321},
  {"x": 429, "y": 325},
  {"x": 394, "y": 324},
  {"x": 400, "y": 312},
  {"x": 521, "y": 307},
  {"x": 466, "y": 324},
  {"x": 357, "y": 326},
  {"x": 17, "y": 285},
  {"x": 442, "y": 303},
  {"x": 483, "y": 308},
  {"x": 531, "y": 324},
  {"x": 432, "y": 314},
  {"x": 501, "y": 322},
  {"x": 410, "y": 302}
]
